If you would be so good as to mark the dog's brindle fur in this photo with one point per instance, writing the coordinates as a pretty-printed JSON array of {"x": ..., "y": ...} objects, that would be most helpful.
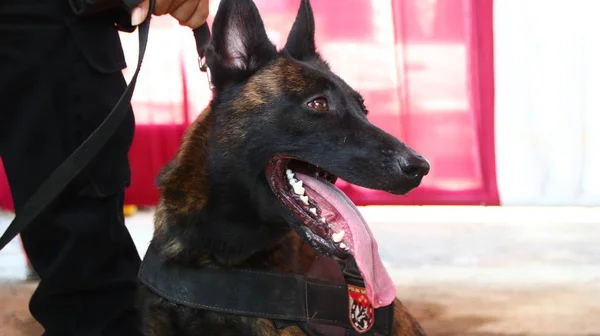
[{"x": 216, "y": 206}]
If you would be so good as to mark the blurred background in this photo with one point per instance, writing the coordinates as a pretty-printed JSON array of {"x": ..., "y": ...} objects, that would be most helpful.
[{"x": 501, "y": 97}]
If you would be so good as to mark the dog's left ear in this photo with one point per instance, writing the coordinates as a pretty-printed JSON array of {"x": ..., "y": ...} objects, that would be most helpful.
[
  {"x": 239, "y": 45},
  {"x": 301, "y": 40}
]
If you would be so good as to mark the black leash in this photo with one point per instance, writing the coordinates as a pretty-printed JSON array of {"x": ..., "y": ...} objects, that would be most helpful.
[{"x": 60, "y": 178}]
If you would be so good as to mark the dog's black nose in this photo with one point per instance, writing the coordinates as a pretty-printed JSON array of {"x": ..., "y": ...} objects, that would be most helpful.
[{"x": 414, "y": 165}]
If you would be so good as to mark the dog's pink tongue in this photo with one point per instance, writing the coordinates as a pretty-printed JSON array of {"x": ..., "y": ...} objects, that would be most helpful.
[{"x": 359, "y": 238}]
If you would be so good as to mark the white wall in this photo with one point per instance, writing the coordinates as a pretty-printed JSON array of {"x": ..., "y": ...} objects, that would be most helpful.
[{"x": 547, "y": 70}]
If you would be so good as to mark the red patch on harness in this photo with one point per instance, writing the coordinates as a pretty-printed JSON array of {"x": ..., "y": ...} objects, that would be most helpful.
[{"x": 360, "y": 309}]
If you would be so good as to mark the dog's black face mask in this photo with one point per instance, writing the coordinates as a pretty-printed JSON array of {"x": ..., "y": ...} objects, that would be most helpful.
[
  {"x": 282, "y": 111},
  {"x": 283, "y": 127}
]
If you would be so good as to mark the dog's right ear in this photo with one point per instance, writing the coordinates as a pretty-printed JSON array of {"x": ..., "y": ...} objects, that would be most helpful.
[{"x": 239, "y": 44}]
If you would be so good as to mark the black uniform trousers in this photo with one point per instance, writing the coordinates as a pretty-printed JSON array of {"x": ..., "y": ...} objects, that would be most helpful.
[{"x": 59, "y": 77}]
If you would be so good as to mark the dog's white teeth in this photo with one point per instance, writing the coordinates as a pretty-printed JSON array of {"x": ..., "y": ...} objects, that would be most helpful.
[
  {"x": 343, "y": 246},
  {"x": 298, "y": 189},
  {"x": 324, "y": 220},
  {"x": 290, "y": 176},
  {"x": 338, "y": 236},
  {"x": 296, "y": 185},
  {"x": 304, "y": 199},
  {"x": 313, "y": 210}
]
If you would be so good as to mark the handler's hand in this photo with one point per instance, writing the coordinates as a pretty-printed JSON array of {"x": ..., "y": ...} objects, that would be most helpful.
[{"x": 191, "y": 13}]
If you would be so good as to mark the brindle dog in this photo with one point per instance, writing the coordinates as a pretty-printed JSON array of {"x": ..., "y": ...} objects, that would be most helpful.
[{"x": 233, "y": 194}]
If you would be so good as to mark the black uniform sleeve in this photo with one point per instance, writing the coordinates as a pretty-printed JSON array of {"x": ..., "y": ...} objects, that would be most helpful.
[{"x": 120, "y": 8}]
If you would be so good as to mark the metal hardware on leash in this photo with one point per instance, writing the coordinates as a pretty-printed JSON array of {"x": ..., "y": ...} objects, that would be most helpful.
[
  {"x": 202, "y": 37},
  {"x": 205, "y": 68}
]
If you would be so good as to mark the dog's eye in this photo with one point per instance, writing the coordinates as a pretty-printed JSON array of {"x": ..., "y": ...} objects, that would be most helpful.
[{"x": 319, "y": 104}]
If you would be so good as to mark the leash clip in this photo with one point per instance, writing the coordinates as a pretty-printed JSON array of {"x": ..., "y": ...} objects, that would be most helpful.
[
  {"x": 204, "y": 68},
  {"x": 202, "y": 37}
]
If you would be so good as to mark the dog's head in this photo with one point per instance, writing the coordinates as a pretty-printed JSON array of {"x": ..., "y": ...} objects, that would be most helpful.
[{"x": 281, "y": 128}]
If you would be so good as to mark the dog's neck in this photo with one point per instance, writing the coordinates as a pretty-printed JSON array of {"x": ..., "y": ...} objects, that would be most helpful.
[
  {"x": 197, "y": 241},
  {"x": 197, "y": 223}
]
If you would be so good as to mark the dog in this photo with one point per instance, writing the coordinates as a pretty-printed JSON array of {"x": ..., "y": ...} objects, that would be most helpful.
[{"x": 250, "y": 196}]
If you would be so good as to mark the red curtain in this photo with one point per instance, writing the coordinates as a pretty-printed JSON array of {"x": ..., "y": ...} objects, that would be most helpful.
[
  {"x": 425, "y": 68},
  {"x": 5, "y": 196},
  {"x": 161, "y": 104},
  {"x": 441, "y": 103}
]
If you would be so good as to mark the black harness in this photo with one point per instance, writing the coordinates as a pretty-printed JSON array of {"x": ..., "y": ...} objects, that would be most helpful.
[{"x": 318, "y": 307}]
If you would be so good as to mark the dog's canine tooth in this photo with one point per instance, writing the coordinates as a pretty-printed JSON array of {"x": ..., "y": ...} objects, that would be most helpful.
[
  {"x": 304, "y": 199},
  {"x": 298, "y": 189},
  {"x": 338, "y": 236},
  {"x": 313, "y": 210},
  {"x": 324, "y": 220},
  {"x": 343, "y": 246},
  {"x": 290, "y": 174}
]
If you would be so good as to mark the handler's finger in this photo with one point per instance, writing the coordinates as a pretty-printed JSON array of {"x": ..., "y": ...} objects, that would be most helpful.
[
  {"x": 200, "y": 15},
  {"x": 161, "y": 7},
  {"x": 177, "y": 3},
  {"x": 140, "y": 12},
  {"x": 185, "y": 11}
]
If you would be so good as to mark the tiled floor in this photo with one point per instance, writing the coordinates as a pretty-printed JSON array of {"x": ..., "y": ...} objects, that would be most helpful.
[
  {"x": 468, "y": 271},
  {"x": 449, "y": 244}
]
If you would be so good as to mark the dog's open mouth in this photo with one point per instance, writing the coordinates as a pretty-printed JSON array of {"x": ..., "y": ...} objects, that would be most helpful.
[{"x": 332, "y": 222}]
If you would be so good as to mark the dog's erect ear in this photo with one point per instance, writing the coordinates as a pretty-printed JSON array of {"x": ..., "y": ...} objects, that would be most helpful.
[
  {"x": 301, "y": 40},
  {"x": 239, "y": 45}
]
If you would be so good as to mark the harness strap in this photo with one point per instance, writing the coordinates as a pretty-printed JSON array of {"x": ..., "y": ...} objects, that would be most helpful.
[{"x": 256, "y": 293}]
